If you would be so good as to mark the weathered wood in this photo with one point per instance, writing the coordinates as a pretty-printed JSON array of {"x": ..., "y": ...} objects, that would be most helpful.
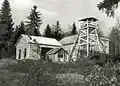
[{"x": 87, "y": 37}]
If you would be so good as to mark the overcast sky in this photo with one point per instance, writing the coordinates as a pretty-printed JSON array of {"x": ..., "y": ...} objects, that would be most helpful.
[{"x": 66, "y": 11}]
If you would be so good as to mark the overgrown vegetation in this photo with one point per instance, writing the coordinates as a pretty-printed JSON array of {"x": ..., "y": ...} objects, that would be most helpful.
[
  {"x": 39, "y": 73},
  {"x": 79, "y": 73}
]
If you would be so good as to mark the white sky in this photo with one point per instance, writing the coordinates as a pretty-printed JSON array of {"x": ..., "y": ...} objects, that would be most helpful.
[{"x": 66, "y": 11}]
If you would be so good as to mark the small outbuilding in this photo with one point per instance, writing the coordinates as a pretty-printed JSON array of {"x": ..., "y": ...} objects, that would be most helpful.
[
  {"x": 26, "y": 48},
  {"x": 58, "y": 55}
]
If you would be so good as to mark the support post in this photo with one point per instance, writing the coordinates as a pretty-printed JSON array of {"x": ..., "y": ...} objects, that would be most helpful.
[{"x": 87, "y": 39}]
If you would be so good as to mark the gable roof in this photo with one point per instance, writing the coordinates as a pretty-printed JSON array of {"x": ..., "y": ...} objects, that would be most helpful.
[
  {"x": 55, "y": 50},
  {"x": 41, "y": 40},
  {"x": 72, "y": 39},
  {"x": 68, "y": 40}
]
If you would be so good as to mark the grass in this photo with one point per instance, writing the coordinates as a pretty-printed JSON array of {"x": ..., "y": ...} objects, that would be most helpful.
[
  {"x": 69, "y": 74},
  {"x": 16, "y": 72},
  {"x": 71, "y": 78}
]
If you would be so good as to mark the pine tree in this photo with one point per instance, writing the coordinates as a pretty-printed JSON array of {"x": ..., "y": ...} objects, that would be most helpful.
[
  {"x": 48, "y": 32},
  {"x": 19, "y": 30},
  {"x": 114, "y": 41},
  {"x": 57, "y": 31},
  {"x": 22, "y": 27},
  {"x": 109, "y": 6},
  {"x": 6, "y": 18},
  {"x": 68, "y": 32},
  {"x": 7, "y": 48},
  {"x": 34, "y": 22},
  {"x": 73, "y": 32}
]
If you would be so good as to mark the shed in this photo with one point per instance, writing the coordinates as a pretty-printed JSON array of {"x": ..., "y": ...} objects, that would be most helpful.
[
  {"x": 26, "y": 47},
  {"x": 58, "y": 55}
]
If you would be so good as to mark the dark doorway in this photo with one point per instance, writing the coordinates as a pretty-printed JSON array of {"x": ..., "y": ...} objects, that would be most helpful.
[
  {"x": 25, "y": 52},
  {"x": 19, "y": 53},
  {"x": 43, "y": 52}
]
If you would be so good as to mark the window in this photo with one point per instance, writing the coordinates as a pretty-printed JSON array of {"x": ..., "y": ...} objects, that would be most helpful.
[
  {"x": 19, "y": 53},
  {"x": 60, "y": 54},
  {"x": 25, "y": 51}
]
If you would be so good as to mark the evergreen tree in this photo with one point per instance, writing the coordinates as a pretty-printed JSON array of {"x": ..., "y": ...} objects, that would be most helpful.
[
  {"x": 73, "y": 32},
  {"x": 6, "y": 18},
  {"x": 19, "y": 30},
  {"x": 109, "y": 6},
  {"x": 57, "y": 31},
  {"x": 68, "y": 32},
  {"x": 7, "y": 47},
  {"x": 65, "y": 34},
  {"x": 114, "y": 41},
  {"x": 48, "y": 32},
  {"x": 34, "y": 22}
]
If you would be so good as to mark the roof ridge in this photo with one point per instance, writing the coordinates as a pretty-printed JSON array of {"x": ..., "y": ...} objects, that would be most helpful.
[
  {"x": 42, "y": 40},
  {"x": 38, "y": 36}
]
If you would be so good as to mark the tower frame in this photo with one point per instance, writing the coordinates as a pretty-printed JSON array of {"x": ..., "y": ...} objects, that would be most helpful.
[{"x": 87, "y": 38}]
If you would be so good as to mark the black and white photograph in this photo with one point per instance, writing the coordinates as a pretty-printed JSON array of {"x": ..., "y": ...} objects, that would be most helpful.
[{"x": 59, "y": 42}]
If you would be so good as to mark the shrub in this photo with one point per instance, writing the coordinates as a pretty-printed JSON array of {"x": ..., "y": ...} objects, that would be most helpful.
[{"x": 103, "y": 76}]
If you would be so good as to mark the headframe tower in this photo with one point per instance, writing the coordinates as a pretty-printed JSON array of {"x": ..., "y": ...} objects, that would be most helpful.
[{"x": 87, "y": 38}]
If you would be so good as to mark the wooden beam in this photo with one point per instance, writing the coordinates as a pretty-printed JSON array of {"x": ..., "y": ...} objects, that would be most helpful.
[
  {"x": 93, "y": 39},
  {"x": 93, "y": 31},
  {"x": 82, "y": 44},
  {"x": 87, "y": 38},
  {"x": 83, "y": 31},
  {"x": 83, "y": 39}
]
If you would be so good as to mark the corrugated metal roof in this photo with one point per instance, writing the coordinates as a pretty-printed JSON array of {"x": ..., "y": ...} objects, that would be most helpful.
[
  {"x": 42, "y": 40},
  {"x": 68, "y": 40},
  {"x": 72, "y": 39}
]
